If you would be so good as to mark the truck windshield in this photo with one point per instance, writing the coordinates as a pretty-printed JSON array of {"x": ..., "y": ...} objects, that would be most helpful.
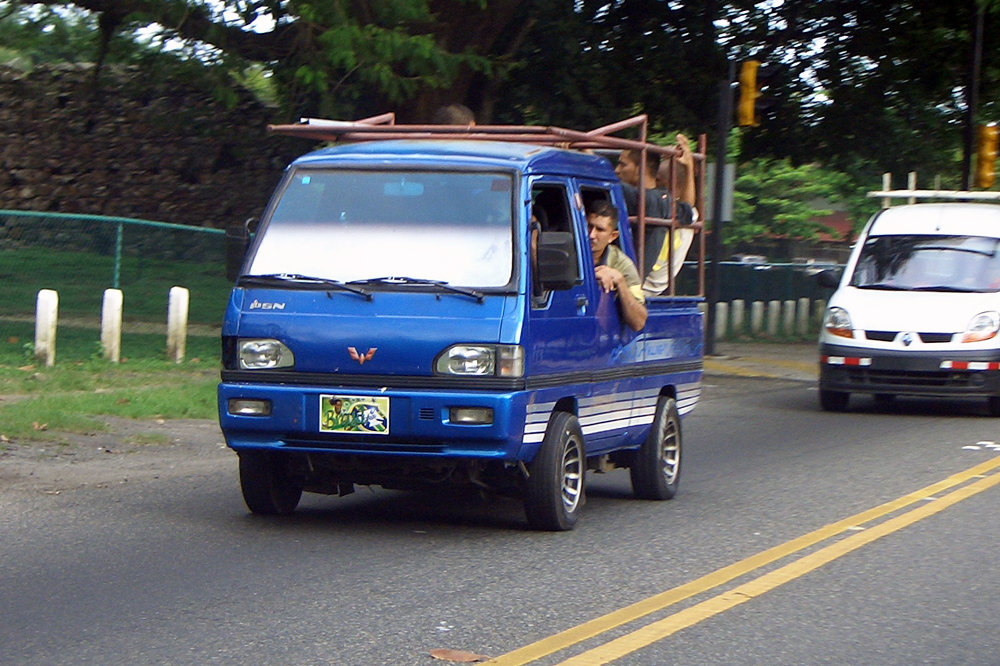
[
  {"x": 929, "y": 263},
  {"x": 356, "y": 225}
]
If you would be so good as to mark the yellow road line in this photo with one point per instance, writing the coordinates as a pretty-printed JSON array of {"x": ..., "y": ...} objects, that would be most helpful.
[
  {"x": 661, "y": 629},
  {"x": 599, "y": 625}
]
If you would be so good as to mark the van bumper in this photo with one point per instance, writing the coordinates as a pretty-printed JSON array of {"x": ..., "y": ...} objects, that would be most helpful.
[{"x": 929, "y": 373}]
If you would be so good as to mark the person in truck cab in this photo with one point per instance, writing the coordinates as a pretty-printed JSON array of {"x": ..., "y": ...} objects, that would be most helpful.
[{"x": 612, "y": 267}]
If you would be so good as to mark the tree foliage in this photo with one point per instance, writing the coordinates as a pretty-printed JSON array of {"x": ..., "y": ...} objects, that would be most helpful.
[
  {"x": 861, "y": 86},
  {"x": 775, "y": 198}
]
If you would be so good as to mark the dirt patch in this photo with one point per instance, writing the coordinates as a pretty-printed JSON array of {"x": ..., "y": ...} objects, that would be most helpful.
[{"x": 128, "y": 449}]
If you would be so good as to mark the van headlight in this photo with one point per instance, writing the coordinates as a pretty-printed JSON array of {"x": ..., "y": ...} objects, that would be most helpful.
[
  {"x": 838, "y": 322},
  {"x": 264, "y": 354},
  {"x": 983, "y": 326},
  {"x": 481, "y": 360}
]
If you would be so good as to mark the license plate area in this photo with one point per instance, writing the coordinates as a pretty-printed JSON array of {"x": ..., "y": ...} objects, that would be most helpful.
[{"x": 354, "y": 414}]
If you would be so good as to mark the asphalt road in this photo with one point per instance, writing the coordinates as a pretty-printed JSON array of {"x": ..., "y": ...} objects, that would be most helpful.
[{"x": 763, "y": 557}]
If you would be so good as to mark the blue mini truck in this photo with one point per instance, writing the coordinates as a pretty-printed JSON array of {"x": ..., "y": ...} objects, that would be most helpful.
[{"x": 418, "y": 307}]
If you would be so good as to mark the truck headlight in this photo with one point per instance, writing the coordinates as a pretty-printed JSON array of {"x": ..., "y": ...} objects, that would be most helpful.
[
  {"x": 264, "y": 354},
  {"x": 482, "y": 360},
  {"x": 838, "y": 322},
  {"x": 983, "y": 326}
]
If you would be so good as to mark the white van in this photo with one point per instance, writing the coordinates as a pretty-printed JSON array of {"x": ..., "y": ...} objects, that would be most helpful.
[{"x": 917, "y": 309}]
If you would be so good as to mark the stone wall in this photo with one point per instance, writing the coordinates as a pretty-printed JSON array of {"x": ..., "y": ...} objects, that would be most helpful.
[{"x": 134, "y": 147}]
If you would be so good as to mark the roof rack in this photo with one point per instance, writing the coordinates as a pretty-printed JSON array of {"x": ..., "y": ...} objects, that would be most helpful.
[
  {"x": 911, "y": 193},
  {"x": 954, "y": 195},
  {"x": 383, "y": 128}
]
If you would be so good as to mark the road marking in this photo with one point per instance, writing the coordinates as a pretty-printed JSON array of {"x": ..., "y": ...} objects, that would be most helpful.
[
  {"x": 741, "y": 594},
  {"x": 701, "y": 611}
]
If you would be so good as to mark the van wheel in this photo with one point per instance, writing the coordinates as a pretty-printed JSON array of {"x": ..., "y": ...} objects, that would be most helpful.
[
  {"x": 993, "y": 405},
  {"x": 656, "y": 466},
  {"x": 268, "y": 489},
  {"x": 884, "y": 400},
  {"x": 554, "y": 492},
  {"x": 833, "y": 401}
]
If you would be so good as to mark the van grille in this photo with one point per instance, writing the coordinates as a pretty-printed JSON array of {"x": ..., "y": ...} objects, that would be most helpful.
[{"x": 889, "y": 336}]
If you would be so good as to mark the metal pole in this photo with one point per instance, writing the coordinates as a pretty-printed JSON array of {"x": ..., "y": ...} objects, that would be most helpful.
[
  {"x": 116, "y": 282},
  {"x": 972, "y": 98},
  {"x": 725, "y": 122}
]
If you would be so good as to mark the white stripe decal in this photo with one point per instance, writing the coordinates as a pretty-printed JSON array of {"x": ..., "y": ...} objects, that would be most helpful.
[{"x": 600, "y": 414}]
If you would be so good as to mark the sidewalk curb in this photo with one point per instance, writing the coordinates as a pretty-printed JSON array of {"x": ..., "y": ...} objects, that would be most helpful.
[{"x": 799, "y": 362}]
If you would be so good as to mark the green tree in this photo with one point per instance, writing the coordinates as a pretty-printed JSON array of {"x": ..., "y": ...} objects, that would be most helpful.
[{"x": 773, "y": 198}]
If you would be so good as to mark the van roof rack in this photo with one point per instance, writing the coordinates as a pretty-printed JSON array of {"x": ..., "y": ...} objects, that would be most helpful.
[
  {"x": 383, "y": 127},
  {"x": 953, "y": 195}
]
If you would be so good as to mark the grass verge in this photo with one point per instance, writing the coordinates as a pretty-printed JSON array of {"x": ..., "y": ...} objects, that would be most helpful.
[{"x": 37, "y": 402}]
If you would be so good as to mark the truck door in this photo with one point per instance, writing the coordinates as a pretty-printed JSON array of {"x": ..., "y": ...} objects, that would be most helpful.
[
  {"x": 575, "y": 333},
  {"x": 622, "y": 343}
]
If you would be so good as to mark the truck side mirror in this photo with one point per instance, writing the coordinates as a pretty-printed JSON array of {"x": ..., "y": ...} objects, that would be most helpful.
[
  {"x": 237, "y": 243},
  {"x": 829, "y": 278},
  {"x": 557, "y": 266}
]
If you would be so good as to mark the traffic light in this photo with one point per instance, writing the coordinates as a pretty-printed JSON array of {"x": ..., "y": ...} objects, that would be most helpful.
[
  {"x": 986, "y": 156},
  {"x": 746, "y": 107}
]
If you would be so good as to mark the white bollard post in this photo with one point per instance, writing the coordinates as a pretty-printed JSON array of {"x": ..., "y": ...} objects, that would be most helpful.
[
  {"x": 788, "y": 320},
  {"x": 111, "y": 325},
  {"x": 819, "y": 312},
  {"x": 177, "y": 315},
  {"x": 46, "y": 321},
  {"x": 773, "y": 315},
  {"x": 756, "y": 317},
  {"x": 802, "y": 317},
  {"x": 738, "y": 308},
  {"x": 721, "y": 315}
]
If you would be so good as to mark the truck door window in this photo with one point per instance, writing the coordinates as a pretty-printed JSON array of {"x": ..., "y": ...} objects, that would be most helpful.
[
  {"x": 593, "y": 194},
  {"x": 339, "y": 224}
]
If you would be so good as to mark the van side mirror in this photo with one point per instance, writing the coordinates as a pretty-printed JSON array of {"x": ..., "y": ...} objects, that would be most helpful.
[
  {"x": 829, "y": 278},
  {"x": 557, "y": 266},
  {"x": 237, "y": 243}
]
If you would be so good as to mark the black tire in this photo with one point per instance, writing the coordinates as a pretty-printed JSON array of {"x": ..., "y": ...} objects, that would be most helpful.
[
  {"x": 554, "y": 493},
  {"x": 993, "y": 405},
  {"x": 656, "y": 465},
  {"x": 884, "y": 400},
  {"x": 267, "y": 486},
  {"x": 833, "y": 401}
]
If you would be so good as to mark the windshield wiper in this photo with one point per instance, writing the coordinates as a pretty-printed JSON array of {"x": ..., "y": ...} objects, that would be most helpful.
[
  {"x": 272, "y": 279},
  {"x": 943, "y": 287},
  {"x": 440, "y": 284},
  {"x": 949, "y": 248},
  {"x": 881, "y": 285}
]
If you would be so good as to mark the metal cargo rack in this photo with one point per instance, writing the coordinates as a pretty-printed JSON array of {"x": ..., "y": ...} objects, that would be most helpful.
[{"x": 383, "y": 128}]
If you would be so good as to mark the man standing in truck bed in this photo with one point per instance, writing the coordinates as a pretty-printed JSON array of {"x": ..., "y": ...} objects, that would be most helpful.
[{"x": 614, "y": 270}]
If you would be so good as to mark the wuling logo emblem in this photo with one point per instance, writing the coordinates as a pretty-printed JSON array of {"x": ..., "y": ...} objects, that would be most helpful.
[{"x": 361, "y": 358}]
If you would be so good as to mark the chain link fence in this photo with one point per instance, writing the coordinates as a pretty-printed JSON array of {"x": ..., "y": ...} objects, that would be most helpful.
[{"x": 79, "y": 256}]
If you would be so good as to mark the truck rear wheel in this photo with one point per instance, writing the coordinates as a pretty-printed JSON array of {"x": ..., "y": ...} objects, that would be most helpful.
[
  {"x": 554, "y": 492},
  {"x": 656, "y": 466},
  {"x": 268, "y": 488}
]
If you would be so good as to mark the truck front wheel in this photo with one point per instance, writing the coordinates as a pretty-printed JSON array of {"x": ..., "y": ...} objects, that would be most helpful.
[
  {"x": 554, "y": 492},
  {"x": 656, "y": 466},
  {"x": 268, "y": 488}
]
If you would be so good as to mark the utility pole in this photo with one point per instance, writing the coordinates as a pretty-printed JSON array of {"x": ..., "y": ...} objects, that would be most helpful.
[
  {"x": 724, "y": 125},
  {"x": 972, "y": 96}
]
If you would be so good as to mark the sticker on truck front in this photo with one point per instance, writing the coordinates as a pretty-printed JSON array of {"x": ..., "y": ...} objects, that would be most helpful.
[{"x": 364, "y": 415}]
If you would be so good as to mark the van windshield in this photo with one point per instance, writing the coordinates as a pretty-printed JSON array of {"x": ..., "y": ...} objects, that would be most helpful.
[
  {"x": 929, "y": 263},
  {"x": 355, "y": 225}
]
